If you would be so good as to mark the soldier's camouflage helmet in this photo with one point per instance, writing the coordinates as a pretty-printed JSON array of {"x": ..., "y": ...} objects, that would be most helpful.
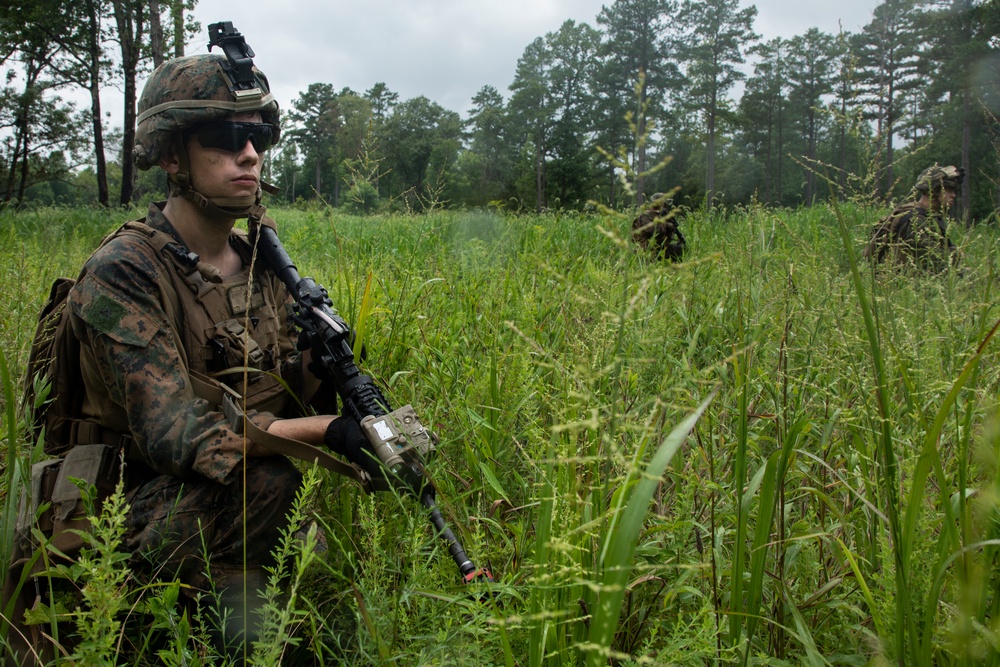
[
  {"x": 939, "y": 178},
  {"x": 659, "y": 200},
  {"x": 191, "y": 90}
]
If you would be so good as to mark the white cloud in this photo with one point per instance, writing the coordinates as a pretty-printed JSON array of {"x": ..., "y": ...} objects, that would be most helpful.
[{"x": 445, "y": 50}]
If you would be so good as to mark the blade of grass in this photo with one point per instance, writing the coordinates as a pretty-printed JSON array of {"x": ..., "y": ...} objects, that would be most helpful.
[
  {"x": 12, "y": 479},
  {"x": 774, "y": 476},
  {"x": 865, "y": 590},
  {"x": 361, "y": 326},
  {"x": 543, "y": 534},
  {"x": 813, "y": 657},
  {"x": 736, "y": 616},
  {"x": 889, "y": 477},
  {"x": 929, "y": 458},
  {"x": 624, "y": 536}
]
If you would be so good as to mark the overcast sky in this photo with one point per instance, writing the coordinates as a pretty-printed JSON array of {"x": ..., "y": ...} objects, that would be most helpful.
[{"x": 445, "y": 50}]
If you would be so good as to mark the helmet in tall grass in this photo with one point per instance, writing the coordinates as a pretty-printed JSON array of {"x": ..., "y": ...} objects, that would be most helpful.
[
  {"x": 192, "y": 90},
  {"x": 936, "y": 178}
]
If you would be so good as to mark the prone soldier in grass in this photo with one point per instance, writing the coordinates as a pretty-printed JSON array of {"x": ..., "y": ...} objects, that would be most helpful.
[
  {"x": 915, "y": 233},
  {"x": 170, "y": 305}
]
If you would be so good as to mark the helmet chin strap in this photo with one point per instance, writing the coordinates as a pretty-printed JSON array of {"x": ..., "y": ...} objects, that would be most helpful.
[{"x": 227, "y": 207}]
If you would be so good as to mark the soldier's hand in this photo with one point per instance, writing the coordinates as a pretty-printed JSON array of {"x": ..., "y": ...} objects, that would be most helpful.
[{"x": 345, "y": 437}]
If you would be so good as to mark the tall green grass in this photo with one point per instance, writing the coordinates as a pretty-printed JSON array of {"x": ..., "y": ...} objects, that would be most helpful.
[{"x": 763, "y": 455}]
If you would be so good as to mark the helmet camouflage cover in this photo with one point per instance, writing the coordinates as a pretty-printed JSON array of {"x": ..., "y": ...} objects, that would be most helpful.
[
  {"x": 191, "y": 90},
  {"x": 938, "y": 178}
]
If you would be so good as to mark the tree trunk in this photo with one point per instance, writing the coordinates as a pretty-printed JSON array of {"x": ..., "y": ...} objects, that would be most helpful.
[
  {"x": 539, "y": 177},
  {"x": 842, "y": 158},
  {"x": 129, "y": 21},
  {"x": 713, "y": 105},
  {"x": 15, "y": 156},
  {"x": 710, "y": 161},
  {"x": 640, "y": 158},
  {"x": 22, "y": 129},
  {"x": 157, "y": 46},
  {"x": 964, "y": 203},
  {"x": 890, "y": 129},
  {"x": 177, "y": 13},
  {"x": 94, "y": 85},
  {"x": 768, "y": 158},
  {"x": 963, "y": 9},
  {"x": 101, "y": 167},
  {"x": 781, "y": 146}
]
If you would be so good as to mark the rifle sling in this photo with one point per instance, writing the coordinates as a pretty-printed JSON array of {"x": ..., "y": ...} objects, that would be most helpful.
[{"x": 229, "y": 400}]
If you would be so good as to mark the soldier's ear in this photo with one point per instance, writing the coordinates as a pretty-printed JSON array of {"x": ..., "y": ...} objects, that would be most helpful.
[{"x": 169, "y": 161}]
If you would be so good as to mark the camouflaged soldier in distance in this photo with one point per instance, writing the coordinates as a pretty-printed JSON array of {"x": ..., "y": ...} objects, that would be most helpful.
[
  {"x": 936, "y": 178},
  {"x": 913, "y": 235},
  {"x": 917, "y": 238},
  {"x": 655, "y": 230}
]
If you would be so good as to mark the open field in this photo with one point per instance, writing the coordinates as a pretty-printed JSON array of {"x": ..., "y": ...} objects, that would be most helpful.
[{"x": 830, "y": 496}]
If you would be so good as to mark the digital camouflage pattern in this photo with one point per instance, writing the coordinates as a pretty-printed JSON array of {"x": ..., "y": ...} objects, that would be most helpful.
[
  {"x": 144, "y": 336},
  {"x": 188, "y": 91},
  {"x": 912, "y": 236},
  {"x": 655, "y": 230},
  {"x": 172, "y": 522},
  {"x": 936, "y": 178}
]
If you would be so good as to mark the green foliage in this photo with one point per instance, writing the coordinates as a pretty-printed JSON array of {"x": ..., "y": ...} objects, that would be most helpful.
[
  {"x": 835, "y": 503},
  {"x": 14, "y": 469}
]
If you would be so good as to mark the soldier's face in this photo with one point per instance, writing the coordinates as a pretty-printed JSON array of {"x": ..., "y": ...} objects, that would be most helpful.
[
  {"x": 943, "y": 200},
  {"x": 217, "y": 172}
]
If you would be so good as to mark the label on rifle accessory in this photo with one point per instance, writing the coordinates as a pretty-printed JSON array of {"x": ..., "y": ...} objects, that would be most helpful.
[{"x": 383, "y": 430}]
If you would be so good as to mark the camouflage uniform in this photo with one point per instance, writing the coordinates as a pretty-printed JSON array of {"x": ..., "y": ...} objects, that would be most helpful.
[
  {"x": 655, "y": 230},
  {"x": 914, "y": 235},
  {"x": 155, "y": 325},
  {"x": 137, "y": 355}
]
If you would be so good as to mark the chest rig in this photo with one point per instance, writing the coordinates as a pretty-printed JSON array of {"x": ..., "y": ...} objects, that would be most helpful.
[
  {"x": 232, "y": 336},
  {"x": 231, "y": 327}
]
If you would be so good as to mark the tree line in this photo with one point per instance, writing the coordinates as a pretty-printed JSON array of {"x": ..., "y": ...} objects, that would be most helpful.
[{"x": 677, "y": 95}]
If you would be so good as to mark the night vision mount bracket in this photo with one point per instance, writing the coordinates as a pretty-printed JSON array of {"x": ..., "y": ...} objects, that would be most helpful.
[{"x": 239, "y": 69}]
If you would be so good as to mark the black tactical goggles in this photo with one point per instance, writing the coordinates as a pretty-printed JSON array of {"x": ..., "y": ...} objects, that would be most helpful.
[{"x": 232, "y": 137}]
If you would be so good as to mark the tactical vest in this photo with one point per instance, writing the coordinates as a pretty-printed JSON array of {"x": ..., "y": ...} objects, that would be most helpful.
[
  {"x": 882, "y": 237},
  {"x": 236, "y": 370},
  {"x": 209, "y": 315}
]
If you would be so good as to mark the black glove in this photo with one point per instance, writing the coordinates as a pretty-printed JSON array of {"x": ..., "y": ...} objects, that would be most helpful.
[{"x": 345, "y": 437}]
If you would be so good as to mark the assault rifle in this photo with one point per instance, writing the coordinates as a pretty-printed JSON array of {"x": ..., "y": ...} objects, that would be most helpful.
[{"x": 397, "y": 437}]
